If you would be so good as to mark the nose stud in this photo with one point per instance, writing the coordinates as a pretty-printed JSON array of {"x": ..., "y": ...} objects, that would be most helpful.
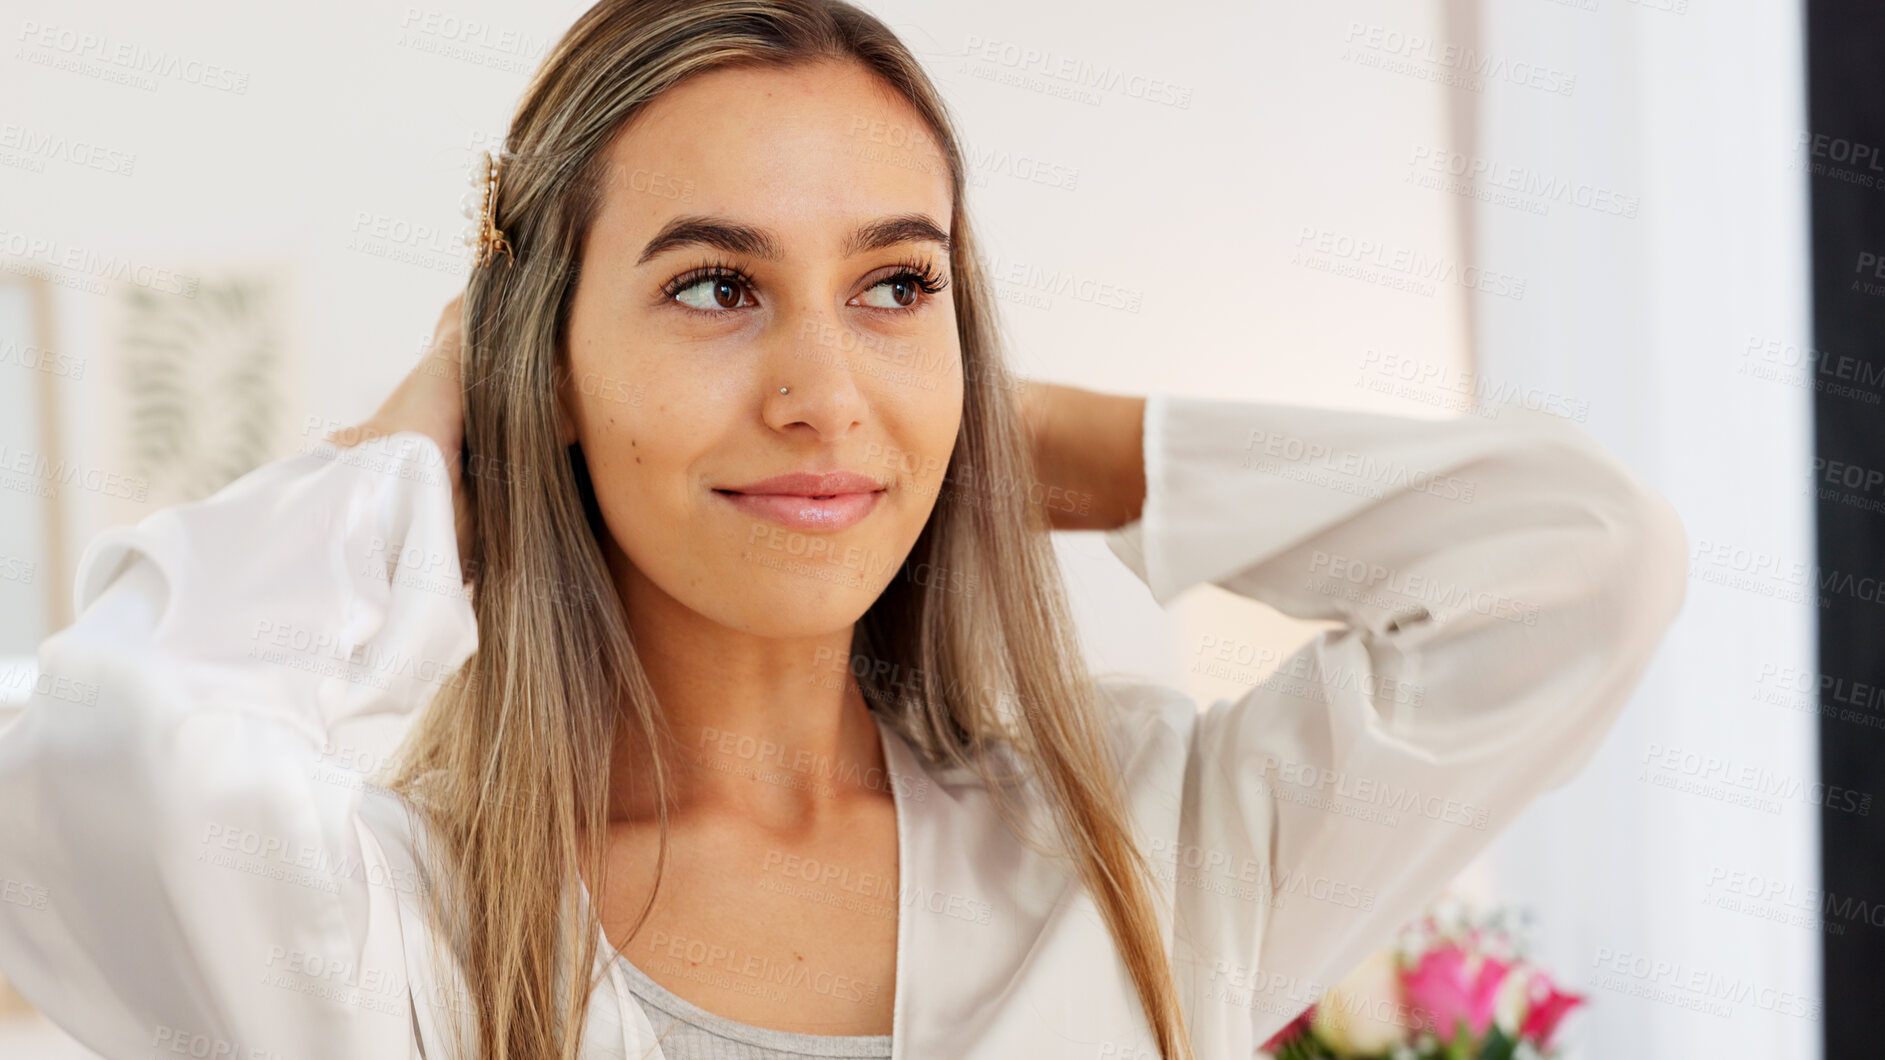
[{"x": 783, "y": 389}]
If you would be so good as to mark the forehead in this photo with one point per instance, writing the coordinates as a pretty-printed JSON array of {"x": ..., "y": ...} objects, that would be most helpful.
[{"x": 807, "y": 150}]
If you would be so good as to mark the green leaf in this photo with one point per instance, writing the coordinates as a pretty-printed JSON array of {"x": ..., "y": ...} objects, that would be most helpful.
[
  {"x": 1497, "y": 1046},
  {"x": 1461, "y": 1047}
]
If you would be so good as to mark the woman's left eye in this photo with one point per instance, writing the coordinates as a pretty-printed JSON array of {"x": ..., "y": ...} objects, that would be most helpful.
[{"x": 897, "y": 292}]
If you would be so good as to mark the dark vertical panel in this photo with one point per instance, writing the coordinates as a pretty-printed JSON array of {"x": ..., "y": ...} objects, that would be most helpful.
[{"x": 1843, "y": 150}]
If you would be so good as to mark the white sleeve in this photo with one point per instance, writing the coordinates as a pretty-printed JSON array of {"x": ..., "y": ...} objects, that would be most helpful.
[
  {"x": 1501, "y": 584},
  {"x": 188, "y": 868}
]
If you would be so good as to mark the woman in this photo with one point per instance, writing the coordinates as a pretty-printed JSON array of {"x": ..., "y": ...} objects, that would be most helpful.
[{"x": 761, "y": 729}]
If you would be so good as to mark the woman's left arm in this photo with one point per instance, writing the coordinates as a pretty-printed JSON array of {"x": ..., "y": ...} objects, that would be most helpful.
[
  {"x": 1087, "y": 450},
  {"x": 1500, "y": 584}
]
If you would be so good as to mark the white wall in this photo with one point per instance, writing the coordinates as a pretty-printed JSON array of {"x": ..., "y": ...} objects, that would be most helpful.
[{"x": 1679, "y": 872}]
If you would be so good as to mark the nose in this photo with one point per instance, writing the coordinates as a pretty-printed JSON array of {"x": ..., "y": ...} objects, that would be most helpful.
[{"x": 811, "y": 379}]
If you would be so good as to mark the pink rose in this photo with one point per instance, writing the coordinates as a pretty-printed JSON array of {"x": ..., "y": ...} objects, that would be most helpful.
[
  {"x": 1548, "y": 1006},
  {"x": 1450, "y": 987}
]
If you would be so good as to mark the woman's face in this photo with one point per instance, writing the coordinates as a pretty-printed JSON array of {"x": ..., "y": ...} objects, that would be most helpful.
[{"x": 763, "y": 229}]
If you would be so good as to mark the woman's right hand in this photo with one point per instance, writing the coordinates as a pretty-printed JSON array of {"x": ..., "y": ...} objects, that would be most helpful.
[{"x": 430, "y": 400}]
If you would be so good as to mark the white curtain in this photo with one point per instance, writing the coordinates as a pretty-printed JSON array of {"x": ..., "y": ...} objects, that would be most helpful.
[{"x": 1658, "y": 216}]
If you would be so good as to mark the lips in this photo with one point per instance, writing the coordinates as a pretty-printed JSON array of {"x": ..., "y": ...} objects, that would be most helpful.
[
  {"x": 817, "y": 501},
  {"x": 811, "y": 484}
]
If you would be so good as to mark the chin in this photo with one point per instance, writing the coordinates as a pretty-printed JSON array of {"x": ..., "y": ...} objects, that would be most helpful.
[
  {"x": 783, "y": 583},
  {"x": 785, "y": 605}
]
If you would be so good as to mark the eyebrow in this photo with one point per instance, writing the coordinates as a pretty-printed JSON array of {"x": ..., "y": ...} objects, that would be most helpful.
[{"x": 736, "y": 238}]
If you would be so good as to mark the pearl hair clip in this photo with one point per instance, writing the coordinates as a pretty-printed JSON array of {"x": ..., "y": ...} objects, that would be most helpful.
[{"x": 480, "y": 207}]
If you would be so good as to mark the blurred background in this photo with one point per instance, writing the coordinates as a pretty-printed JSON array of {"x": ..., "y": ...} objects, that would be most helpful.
[{"x": 227, "y": 228}]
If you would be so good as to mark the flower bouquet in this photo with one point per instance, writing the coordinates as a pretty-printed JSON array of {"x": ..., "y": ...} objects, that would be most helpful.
[{"x": 1455, "y": 985}]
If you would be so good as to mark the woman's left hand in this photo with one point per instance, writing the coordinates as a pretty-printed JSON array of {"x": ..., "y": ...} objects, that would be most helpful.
[
  {"x": 429, "y": 401},
  {"x": 1088, "y": 450}
]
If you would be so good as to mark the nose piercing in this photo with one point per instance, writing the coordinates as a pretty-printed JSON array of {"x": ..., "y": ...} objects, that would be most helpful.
[{"x": 783, "y": 389}]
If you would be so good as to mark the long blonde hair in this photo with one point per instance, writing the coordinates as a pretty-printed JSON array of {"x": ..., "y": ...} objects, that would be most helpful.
[{"x": 510, "y": 766}]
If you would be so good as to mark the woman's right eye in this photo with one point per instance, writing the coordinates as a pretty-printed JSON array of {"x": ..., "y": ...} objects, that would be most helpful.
[{"x": 711, "y": 293}]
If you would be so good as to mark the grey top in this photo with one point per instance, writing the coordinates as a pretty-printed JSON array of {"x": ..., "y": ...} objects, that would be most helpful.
[{"x": 692, "y": 1033}]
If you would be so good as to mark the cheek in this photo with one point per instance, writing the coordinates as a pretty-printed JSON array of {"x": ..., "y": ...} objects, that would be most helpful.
[
  {"x": 648, "y": 447},
  {"x": 628, "y": 419},
  {"x": 605, "y": 393},
  {"x": 928, "y": 418},
  {"x": 637, "y": 458}
]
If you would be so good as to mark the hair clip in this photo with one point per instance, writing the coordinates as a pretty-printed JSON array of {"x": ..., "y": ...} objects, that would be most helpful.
[{"x": 480, "y": 206}]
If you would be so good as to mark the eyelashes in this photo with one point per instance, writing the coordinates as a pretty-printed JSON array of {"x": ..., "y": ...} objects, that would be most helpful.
[
  {"x": 715, "y": 270},
  {"x": 921, "y": 273},
  {"x": 916, "y": 272}
]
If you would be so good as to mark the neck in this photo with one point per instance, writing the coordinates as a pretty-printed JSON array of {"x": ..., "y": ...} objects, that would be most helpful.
[{"x": 772, "y": 730}]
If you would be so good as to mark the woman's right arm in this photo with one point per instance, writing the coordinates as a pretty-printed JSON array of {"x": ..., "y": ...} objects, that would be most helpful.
[
  {"x": 1498, "y": 587},
  {"x": 182, "y": 853}
]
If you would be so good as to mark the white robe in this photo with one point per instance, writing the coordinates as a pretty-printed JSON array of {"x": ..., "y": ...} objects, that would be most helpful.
[{"x": 188, "y": 874}]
